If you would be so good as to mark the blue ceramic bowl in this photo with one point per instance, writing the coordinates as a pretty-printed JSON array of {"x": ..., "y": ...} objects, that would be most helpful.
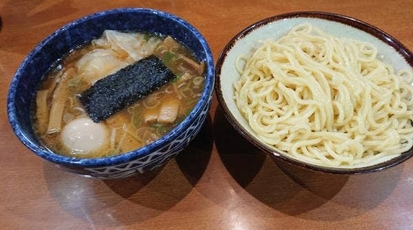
[{"x": 44, "y": 55}]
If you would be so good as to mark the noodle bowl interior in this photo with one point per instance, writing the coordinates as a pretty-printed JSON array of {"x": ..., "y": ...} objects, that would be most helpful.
[
  {"x": 325, "y": 100},
  {"x": 62, "y": 123}
]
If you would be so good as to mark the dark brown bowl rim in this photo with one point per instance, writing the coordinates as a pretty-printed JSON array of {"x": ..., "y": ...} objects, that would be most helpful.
[{"x": 343, "y": 19}]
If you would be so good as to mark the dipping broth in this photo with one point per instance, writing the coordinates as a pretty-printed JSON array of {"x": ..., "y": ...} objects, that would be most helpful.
[{"x": 64, "y": 126}]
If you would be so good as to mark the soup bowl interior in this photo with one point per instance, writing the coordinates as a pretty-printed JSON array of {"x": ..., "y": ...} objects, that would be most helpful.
[
  {"x": 61, "y": 42},
  {"x": 247, "y": 41}
]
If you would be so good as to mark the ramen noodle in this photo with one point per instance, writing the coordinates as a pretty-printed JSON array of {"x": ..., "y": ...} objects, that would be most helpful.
[{"x": 325, "y": 100}]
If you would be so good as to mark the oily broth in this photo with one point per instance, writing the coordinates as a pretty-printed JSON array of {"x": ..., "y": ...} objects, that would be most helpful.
[{"x": 128, "y": 129}]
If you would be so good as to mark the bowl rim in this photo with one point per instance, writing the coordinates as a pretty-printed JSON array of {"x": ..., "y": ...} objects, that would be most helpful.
[
  {"x": 49, "y": 155},
  {"x": 329, "y": 16}
]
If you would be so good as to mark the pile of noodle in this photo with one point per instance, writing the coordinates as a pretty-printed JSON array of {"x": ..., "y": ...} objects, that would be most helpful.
[{"x": 326, "y": 100}]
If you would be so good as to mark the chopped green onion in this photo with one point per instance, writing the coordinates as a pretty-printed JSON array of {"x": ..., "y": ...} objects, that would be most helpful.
[
  {"x": 147, "y": 37},
  {"x": 177, "y": 78},
  {"x": 168, "y": 57}
]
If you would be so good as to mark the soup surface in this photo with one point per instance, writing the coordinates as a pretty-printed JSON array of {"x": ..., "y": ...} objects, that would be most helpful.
[{"x": 62, "y": 123}]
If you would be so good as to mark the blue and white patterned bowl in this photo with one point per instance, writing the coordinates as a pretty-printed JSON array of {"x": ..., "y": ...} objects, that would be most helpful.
[{"x": 54, "y": 47}]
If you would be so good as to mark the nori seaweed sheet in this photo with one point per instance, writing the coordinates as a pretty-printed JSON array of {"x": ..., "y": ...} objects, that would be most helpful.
[{"x": 117, "y": 91}]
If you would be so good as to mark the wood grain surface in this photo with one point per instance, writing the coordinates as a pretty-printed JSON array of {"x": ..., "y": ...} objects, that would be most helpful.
[{"x": 220, "y": 181}]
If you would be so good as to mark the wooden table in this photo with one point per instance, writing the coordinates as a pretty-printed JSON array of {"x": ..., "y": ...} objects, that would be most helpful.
[{"x": 220, "y": 181}]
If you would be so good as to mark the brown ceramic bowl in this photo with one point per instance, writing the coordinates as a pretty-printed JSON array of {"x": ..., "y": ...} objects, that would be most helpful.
[{"x": 246, "y": 41}]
